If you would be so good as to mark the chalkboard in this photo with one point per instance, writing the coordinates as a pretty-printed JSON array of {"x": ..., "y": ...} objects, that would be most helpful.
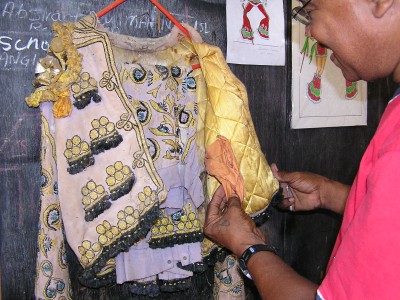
[{"x": 304, "y": 240}]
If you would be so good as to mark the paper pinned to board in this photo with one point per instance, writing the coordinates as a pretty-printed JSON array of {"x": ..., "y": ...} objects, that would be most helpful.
[
  {"x": 255, "y": 32},
  {"x": 321, "y": 96}
]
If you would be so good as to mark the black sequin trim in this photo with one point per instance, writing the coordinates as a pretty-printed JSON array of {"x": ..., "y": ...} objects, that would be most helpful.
[
  {"x": 262, "y": 217},
  {"x": 88, "y": 276},
  {"x": 80, "y": 164},
  {"x": 216, "y": 255},
  {"x": 197, "y": 267},
  {"x": 175, "y": 285},
  {"x": 97, "y": 209},
  {"x": 123, "y": 189},
  {"x": 84, "y": 99},
  {"x": 176, "y": 239},
  {"x": 150, "y": 289},
  {"x": 153, "y": 289},
  {"x": 112, "y": 141}
]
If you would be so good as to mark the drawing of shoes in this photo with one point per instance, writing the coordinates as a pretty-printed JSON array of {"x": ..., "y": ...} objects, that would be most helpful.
[
  {"x": 351, "y": 90},
  {"x": 314, "y": 89},
  {"x": 263, "y": 28}
]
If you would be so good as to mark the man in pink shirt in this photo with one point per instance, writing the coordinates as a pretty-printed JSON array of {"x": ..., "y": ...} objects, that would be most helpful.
[{"x": 364, "y": 36}]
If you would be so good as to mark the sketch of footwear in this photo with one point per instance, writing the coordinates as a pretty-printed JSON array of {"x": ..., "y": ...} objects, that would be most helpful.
[
  {"x": 314, "y": 89},
  {"x": 351, "y": 90}
]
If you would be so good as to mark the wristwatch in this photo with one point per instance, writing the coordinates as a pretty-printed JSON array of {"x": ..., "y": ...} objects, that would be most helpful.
[{"x": 249, "y": 252}]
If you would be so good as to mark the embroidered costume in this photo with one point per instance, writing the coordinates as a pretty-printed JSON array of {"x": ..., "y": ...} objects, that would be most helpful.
[{"x": 125, "y": 126}]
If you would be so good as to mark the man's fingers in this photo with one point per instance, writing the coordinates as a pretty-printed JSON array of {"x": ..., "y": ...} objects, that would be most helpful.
[
  {"x": 282, "y": 176},
  {"x": 217, "y": 203}
]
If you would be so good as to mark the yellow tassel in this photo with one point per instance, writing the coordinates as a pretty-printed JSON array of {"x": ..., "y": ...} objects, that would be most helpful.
[
  {"x": 34, "y": 99},
  {"x": 62, "y": 107}
]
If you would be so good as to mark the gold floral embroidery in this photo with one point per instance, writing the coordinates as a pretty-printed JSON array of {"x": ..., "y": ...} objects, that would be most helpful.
[
  {"x": 52, "y": 217},
  {"x": 62, "y": 256},
  {"x": 47, "y": 187},
  {"x": 147, "y": 197},
  {"x": 106, "y": 81},
  {"x": 46, "y": 244},
  {"x": 154, "y": 148},
  {"x": 143, "y": 112},
  {"x": 54, "y": 285},
  {"x": 124, "y": 122},
  {"x": 138, "y": 161}
]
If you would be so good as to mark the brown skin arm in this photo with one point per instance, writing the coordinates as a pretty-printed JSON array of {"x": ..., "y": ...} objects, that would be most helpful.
[
  {"x": 311, "y": 191},
  {"x": 229, "y": 226}
]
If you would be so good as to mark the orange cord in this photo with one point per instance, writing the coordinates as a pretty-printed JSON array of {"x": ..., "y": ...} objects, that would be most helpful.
[
  {"x": 157, "y": 4},
  {"x": 109, "y": 8},
  {"x": 160, "y": 7},
  {"x": 171, "y": 17}
]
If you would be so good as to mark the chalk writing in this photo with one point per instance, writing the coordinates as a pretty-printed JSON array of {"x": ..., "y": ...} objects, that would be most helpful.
[
  {"x": 15, "y": 51},
  {"x": 39, "y": 18},
  {"x": 8, "y": 43},
  {"x": 148, "y": 22},
  {"x": 21, "y": 49},
  {"x": 10, "y": 61}
]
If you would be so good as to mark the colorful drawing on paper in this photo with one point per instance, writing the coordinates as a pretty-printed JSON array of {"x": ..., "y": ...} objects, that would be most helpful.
[
  {"x": 320, "y": 52},
  {"x": 263, "y": 27},
  {"x": 321, "y": 96},
  {"x": 255, "y": 32}
]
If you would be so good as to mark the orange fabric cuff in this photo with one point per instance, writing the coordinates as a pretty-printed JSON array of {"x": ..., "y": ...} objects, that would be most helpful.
[{"x": 220, "y": 162}]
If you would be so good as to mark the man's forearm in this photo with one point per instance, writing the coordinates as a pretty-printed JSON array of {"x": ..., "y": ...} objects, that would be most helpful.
[{"x": 276, "y": 280}]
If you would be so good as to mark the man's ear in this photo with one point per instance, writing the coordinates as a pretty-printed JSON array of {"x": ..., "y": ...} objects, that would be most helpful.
[{"x": 380, "y": 7}]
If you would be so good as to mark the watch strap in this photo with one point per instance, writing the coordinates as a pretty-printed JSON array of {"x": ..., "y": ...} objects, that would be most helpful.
[{"x": 249, "y": 252}]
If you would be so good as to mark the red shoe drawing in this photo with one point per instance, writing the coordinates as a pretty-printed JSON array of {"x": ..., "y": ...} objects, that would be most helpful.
[
  {"x": 314, "y": 89},
  {"x": 263, "y": 28},
  {"x": 351, "y": 89}
]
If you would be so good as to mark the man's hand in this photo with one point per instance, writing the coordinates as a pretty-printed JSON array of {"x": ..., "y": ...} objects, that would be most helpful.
[
  {"x": 307, "y": 191},
  {"x": 229, "y": 226}
]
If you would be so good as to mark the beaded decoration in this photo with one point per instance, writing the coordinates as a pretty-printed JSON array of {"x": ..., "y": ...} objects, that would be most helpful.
[
  {"x": 120, "y": 180},
  {"x": 78, "y": 155},
  {"x": 103, "y": 136},
  {"x": 181, "y": 227},
  {"x": 85, "y": 91},
  {"x": 95, "y": 200}
]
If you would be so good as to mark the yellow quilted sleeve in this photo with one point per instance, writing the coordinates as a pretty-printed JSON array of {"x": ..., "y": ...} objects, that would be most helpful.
[{"x": 226, "y": 112}]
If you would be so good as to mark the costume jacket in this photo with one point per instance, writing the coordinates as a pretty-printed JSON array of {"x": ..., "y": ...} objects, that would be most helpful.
[{"x": 125, "y": 126}]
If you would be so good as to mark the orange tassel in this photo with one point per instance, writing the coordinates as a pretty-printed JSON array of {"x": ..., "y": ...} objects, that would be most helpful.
[{"x": 62, "y": 107}]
